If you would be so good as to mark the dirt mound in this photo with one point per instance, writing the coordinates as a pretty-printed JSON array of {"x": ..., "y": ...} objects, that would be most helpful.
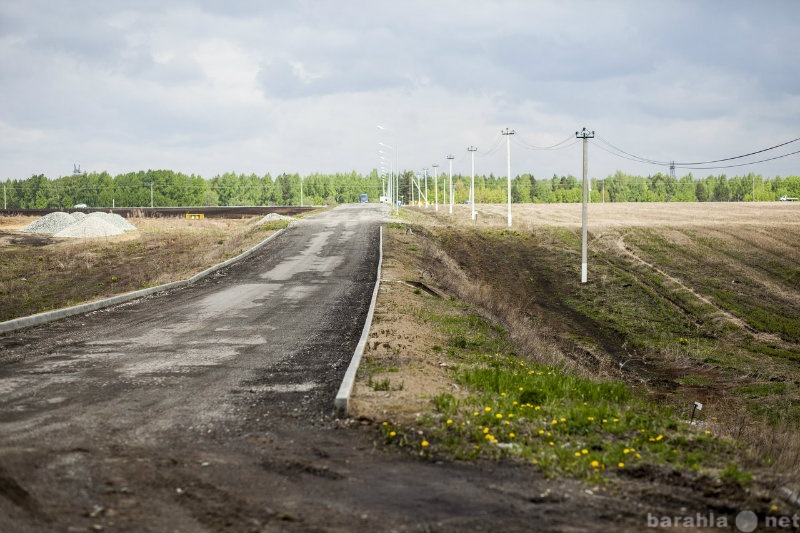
[{"x": 90, "y": 226}]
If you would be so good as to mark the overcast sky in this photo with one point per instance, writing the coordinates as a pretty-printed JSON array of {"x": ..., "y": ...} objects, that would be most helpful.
[{"x": 274, "y": 86}]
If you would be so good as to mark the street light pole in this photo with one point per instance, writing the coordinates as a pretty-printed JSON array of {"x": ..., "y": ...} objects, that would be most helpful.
[{"x": 450, "y": 160}]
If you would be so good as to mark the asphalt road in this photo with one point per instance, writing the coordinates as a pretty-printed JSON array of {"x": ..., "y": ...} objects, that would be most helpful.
[{"x": 209, "y": 408}]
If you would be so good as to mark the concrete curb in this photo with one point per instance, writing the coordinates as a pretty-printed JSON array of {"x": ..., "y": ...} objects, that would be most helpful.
[
  {"x": 342, "y": 401},
  {"x": 50, "y": 316}
]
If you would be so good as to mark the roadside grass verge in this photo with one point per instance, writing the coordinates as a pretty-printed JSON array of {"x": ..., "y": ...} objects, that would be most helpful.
[{"x": 562, "y": 423}]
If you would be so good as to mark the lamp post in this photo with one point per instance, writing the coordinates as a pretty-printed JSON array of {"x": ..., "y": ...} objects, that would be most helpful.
[{"x": 394, "y": 176}]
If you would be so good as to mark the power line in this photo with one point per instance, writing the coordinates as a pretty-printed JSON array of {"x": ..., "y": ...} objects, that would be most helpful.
[{"x": 557, "y": 146}]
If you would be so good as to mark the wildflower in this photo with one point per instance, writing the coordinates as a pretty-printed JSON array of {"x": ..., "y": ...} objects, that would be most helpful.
[
  {"x": 541, "y": 432},
  {"x": 626, "y": 451},
  {"x": 521, "y": 389},
  {"x": 590, "y": 418},
  {"x": 487, "y": 409},
  {"x": 638, "y": 456},
  {"x": 616, "y": 420},
  {"x": 660, "y": 437},
  {"x": 621, "y": 465},
  {"x": 499, "y": 415},
  {"x": 563, "y": 419},
  {"x": 385, "y": 424},
  {"x": 708, "y": 432},
  {"x": 424, "y": 444},
  {"x": 514, "y": 402},
  {"x": 605, "y": 421},
  {"x": 486, "y": 430},
  {"x": 475, "y": 413},
  {"x": 537, "y": 408},
  {"x": 449, "y": 421},
  {"x": 585, "y": 451},
  {"x": 392, "y": 433},
  {"x": 510, "y": 415},
  {"x": 551, "y": 443},
  {"x": 595, "y": 463},
  {"x": 502, "y": 394},
  {"x": 507, "y": 423},
  {"x": 512, "y": 435},
  {"x": 577, "y": 454},
  {"x": 554, "y": 422}
]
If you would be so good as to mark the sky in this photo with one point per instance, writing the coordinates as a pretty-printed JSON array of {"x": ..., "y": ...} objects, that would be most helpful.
[{"x": 207, "y": 87}]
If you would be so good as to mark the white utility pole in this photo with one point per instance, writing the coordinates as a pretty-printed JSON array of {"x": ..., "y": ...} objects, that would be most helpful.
[
  {"x": 508, "y": 133},
  {"x": 436, "y": 185},
  {"x": 425, "y": 175},
  {"x": 450, "y": 160},
  {"x": 585, "y": 135},
  {"x": 472, "y": 151}
]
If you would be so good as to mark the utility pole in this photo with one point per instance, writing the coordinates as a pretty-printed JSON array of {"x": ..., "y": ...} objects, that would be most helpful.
[
  {"x": 472, "y": 151},
  {"x": 450, "y": 160},
  {"x": 508, "y": 133},
  {"x": 585, "y": 135},
  {"x": 425, "y": 175},
  {"x": 436, "y": 185}
]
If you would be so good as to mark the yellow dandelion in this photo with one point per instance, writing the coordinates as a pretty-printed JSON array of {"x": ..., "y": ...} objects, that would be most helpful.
[
  {"x": 424, "y": 444},
  {"x": 502, "y": 394},
  {"x": 537, "y": 408},
  {"x": 577, "y": 454},
  {"x": 449, "y": 421},
  {"x": 512, "y": 435},
  {"x": 499, "y": 415},
  {"x": 660, "y": 437},
  {"x": 554, "y": 422},
  {"x": 585, "y": 451},
  {"x": 605, "y": 421},
  {"x": 486, "y": 430},
  {"x": 541, "y": 432},
  {"x": 514, "y": 402},
  {"x": 563, "y": 419},
  {"x": 521, "y": 389},
  {"x": 551, "y": 443},
  {"x": 595, "y": 463},
  {"x": 638, "y": 456},
  {"x": 590, "y": 418},
  {"x": 626, "y": 451},
  {"x": 392, "y": 433},
  {"x": 487, "y": 409},
  {"x": 621, "y": 465},
  {"x": 616, "y": 420},
  {"x": 475, "y": 413},
  {"x": 385, "y": 424}
]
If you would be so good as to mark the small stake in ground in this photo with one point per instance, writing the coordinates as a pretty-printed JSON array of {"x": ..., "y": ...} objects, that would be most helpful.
[{"x": 697, "y": 407}]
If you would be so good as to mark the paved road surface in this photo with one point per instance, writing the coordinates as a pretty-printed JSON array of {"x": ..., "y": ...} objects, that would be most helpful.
[{"x": 209, "y": 408}]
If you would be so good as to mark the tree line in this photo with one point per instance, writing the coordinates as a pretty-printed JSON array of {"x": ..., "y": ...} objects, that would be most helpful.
[{"x": 165, "y": 188}]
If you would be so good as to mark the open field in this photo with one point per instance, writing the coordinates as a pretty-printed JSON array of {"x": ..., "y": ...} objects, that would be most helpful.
[{"x": 685, "y": 303}]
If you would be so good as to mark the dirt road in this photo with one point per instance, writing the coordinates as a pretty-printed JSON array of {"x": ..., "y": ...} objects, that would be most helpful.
[{"x": 210, "y": 409}]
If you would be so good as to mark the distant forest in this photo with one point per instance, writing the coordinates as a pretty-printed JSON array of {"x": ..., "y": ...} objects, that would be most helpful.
[{"x": 165, "y": 188}]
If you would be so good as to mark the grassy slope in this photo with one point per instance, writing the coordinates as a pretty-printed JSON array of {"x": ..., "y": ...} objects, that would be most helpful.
[{"x": 676, "y": 333}]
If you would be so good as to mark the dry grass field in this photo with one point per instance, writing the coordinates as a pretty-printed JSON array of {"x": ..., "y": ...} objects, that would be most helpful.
[{"x": 39, "y": 273}]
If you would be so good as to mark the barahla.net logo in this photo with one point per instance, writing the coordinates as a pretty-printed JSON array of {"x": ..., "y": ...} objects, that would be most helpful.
[{"x": 745, "y": 521}]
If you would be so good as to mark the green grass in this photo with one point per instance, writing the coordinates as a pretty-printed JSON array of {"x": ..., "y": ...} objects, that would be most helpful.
[{"x": 562, "y": 423}]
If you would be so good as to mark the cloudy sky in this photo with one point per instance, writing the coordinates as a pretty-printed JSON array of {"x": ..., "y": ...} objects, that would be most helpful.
[{"x": 274, "y": 86}]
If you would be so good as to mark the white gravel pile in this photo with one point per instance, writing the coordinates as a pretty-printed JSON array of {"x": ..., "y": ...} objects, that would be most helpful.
[
  {"x": 274, "y": 216},
  {"x": 90, "y": 226},
  {"x": 50, "y": 223},
  {"x": 80, "y": 225},
  {"x": 115, "y": 220}
]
